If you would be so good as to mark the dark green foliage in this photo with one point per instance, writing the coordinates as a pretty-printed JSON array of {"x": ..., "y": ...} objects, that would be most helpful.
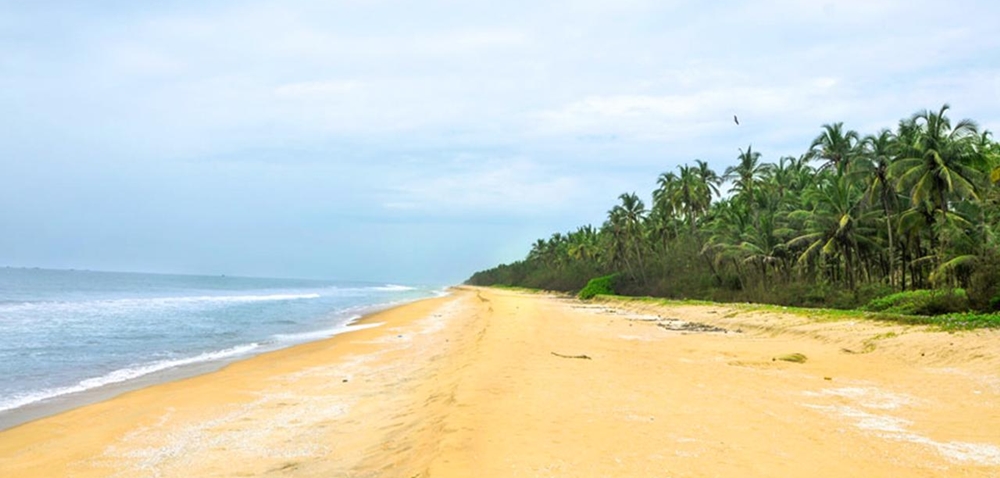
[
  {"x": 869, "y": 292},
  {"x": 604, "y": 285},
  {"x": 813, "y": 295},
  {"x": 525, "y": 274},
  {"x": 984, "y": 287},
  {"x": 853, "y": 219},
  {"x": 921, "y": 302}
]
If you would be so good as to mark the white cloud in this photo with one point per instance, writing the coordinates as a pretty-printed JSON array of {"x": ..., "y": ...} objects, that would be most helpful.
[
  {"x": 701, "y": 112},
  {"x": 525, "y": 111},
  {"x": 637, "y": 70},
  {"x": 317, "y": 90},
  {"x": 461, "y": 41},
  {"x": 498, "y": 186}
]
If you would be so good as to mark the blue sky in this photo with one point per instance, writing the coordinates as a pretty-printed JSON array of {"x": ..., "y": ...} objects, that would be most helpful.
[{"x": 421, "y": 141}]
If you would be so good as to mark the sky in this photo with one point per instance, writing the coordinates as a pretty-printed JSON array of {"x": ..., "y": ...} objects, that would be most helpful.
[{"x": 420, "y": 141}]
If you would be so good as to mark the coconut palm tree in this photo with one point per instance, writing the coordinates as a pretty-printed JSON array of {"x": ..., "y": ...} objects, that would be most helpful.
[
  {"x": 665, "y": 193},
  {"x": 627, "y": 221},
  {"x": 582, "y": 244},
  {"x": 872, "y": 169},
  {"x": 688, "y": 194},
  {"x": 835, "y": 146},
  {"x": 745, "y": 174},
  {"x": 836, "y": 225},
  {"x": 710, "y": 182},
  {"x": 730, "y": 221},
  {"x": 942, "y": 165}
]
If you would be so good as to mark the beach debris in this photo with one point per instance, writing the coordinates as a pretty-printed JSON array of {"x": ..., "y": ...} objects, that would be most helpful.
[
  {"x": 644, "y": 318},
  {"x": 584, "y": 357},
  {"x": 685, "y": 326},
  {"x": 287, "y": 467},
  {"x": 869, "y": 347},
  {"x": 827, "y": 378},
  {"x": 794, "y": 358}
]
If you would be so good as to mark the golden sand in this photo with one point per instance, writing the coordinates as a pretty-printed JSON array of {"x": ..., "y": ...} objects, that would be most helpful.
[{"x": 496, "y": 383}]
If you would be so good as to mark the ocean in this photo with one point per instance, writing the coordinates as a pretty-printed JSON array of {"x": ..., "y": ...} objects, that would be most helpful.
[{"x": 64, "y": 333}]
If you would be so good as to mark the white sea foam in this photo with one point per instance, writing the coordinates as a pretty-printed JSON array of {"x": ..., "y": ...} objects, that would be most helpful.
[
  {"x": 122, "y": 375},
  {"x": 66, "y": 332},
  {"x": 324, "y": 333},
  {"x": 394, "y": 288},
  {"x": 132, "y": 304}
]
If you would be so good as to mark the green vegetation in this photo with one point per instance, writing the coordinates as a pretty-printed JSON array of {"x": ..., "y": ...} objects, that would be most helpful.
[
  {"x": 854, "y": 221},
  {"x": 922, "y": 302},
  {"x": 956, "y": 321},
  {"x": 528, "y": 290},
  {"x": 966, "y": 321},
  {"x": 604, "y": 285}
]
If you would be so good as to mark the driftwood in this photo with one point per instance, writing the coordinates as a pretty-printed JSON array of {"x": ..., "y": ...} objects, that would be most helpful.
[
  {"x": 685, "y": 326},
  {"x": 585, "y": 357}
]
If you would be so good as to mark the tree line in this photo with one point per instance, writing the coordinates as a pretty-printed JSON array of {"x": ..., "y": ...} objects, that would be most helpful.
[{"x": 852, "y": 218}]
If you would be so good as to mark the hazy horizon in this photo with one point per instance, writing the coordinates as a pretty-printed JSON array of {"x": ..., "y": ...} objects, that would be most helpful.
[
  {"x": 187, "y": 274},
  {"x": 419, "y": 143}
]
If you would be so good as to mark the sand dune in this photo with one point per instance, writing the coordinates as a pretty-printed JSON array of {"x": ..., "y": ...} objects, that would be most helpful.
[{"x": 497, "y": 383}]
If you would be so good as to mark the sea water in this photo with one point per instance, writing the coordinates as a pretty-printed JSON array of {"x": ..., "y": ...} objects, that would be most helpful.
[{"x": 68, "y": 332}]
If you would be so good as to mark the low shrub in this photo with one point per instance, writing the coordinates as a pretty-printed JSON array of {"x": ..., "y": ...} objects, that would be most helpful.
[
  {"x": 869, "y": 292},
  {"x": 921, "y": 302},
  {"x": 604, "y": 285},
  {"x": 968, "y": 321},
  {"x": 995, "y": 303},
  {"x": 809, "y": 295}
]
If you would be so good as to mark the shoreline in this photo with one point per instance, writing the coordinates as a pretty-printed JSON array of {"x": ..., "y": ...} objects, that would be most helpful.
[
  {"x": 496, "y": 383},
  {"x": 48, "y": 407},
  {"x": 253, "y": 385}
]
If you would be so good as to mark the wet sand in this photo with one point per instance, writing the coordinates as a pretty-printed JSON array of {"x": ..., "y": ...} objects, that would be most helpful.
[{"x": 498, "y": 383}]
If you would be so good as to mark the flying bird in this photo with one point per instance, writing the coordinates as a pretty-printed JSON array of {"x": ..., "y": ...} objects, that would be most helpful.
[{"x": 736, "y": 120}]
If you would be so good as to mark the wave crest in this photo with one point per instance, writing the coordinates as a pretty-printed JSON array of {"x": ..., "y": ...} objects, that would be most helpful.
[
  {"x": 121, "y": 375},
  {"x": 394, "y": 288},
  {"x": 149, "y": 302}
]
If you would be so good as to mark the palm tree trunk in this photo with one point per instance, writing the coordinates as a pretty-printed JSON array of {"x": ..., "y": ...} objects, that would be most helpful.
[
  {"x": 902, "y": 268},
  {"x": 849, "y": 268},
  {"x": 888, "y": 230},
  {"x": 942, "y": 238},
  {"x": 711, "y": 267},
  {"x": 892, "y": 251},
  {"x": 739, "y": 275},
  {"x": 664, "y": 257}
]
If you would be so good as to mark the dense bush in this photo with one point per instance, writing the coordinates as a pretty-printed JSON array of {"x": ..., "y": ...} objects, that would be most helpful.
[
  {"x": 869, "y": 292},
  {"x": 604, "y": 285},
  {"x": 984, "y": 287},
  {"x": 571, "y": 277},
  {"x": 922, "y": 302}
]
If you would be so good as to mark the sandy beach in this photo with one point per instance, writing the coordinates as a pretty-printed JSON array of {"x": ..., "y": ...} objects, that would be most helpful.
[{"x": 489, "y": 382}]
